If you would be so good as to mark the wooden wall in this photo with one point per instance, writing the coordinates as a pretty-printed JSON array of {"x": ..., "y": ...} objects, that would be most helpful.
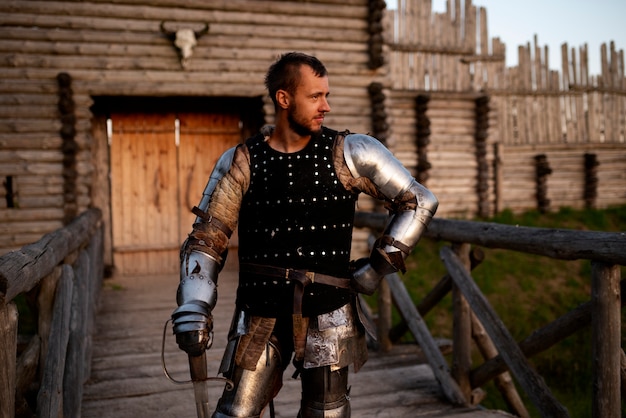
[
  {"x": 533, "y": 110},
  {"x": 116, "y": 48},
  {"x": 451, "y": 150},
  {"x": 566, "y": 182}
]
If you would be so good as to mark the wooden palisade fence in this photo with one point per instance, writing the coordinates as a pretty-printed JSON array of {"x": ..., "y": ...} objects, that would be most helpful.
[
  {"x": 63, "y": 271},
  {"x": 474, "y": 318},
  {"x": 441, "y": 63}
]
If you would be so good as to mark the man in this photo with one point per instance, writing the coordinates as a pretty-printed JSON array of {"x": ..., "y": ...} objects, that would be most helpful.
[{"x": 292, "y": 192}]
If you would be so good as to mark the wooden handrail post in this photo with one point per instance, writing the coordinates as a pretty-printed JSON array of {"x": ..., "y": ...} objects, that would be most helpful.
[
  {"x": 462, "y": 329},
  {"x": 606, "y": 336},
  {"x": 503, "y": 381},
  {"x": 425, "y": 340},
  {"x": 528, "y": 378},
  {"x": 384, "y": 317},
  {"x": 8, "y": 349}
]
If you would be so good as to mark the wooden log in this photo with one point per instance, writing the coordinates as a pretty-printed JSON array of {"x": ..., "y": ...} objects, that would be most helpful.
[
  {"x": 416, "y": 324},
  {"x": 195, "y": 11},
  {"x": 383, "y": 324},
  {"x": 50, "y": 396},
  {"x": 33, "y": 227},
  {"x": 94, "y": 283},
  {"x": 45, "y": 306},
  {"x": 30, "y": 141},
  {"x": 27, "y": 365},
  {"x": 527, "y": 377},
  {"x": 540, "y": 340},
  {"x": 39, "y": 201},
  {"x": 8, "y": 351},
  {"x": 622, "y": 361},
  {"x": 23, "y": 215},
  {"x": 560, "y": 244},
  {"x": 104, "y": 42},
  {"x": 31, "y": 155},
  {"x": 503, "y": 381},
  {"x": 207, "y": 50},
  {"x": 462, "y": 330},
  {"x": 30, "y": 125},
  {"x": 606, "y": 331},
  {"x": 74, "y": 376},
  {"x": 436, "y": 294},
  {"x": 21, "y": 270}
]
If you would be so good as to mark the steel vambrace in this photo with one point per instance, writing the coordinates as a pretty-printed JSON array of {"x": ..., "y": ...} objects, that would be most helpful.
[
  {"x": 413, "y": 208},
  {"x": 196, "y": 297}
]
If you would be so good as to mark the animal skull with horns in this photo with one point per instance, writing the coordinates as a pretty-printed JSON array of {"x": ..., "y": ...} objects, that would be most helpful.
[{"x": 184, "y": 40}]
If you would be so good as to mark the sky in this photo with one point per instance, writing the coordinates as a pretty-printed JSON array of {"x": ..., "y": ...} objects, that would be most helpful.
[{"x": 576, "y": 22}]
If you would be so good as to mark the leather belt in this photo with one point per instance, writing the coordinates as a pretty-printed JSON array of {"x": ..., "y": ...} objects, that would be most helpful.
[{"x": 302, "y": 278}]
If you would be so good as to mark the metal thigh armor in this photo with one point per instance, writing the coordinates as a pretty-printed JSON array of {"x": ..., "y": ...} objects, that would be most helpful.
[{"x": 254, "y": 389}]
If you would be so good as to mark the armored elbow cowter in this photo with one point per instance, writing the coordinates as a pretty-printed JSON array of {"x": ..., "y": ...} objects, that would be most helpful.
[{"x": 412, "y": 204}]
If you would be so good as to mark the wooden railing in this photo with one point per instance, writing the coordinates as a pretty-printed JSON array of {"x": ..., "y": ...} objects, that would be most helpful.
[
  {"x": 474, "y": 318},
  {"x": 63, "y": 273}
]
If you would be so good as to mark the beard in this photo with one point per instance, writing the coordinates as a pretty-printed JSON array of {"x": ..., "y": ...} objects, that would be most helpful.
[{"x": 298, "y": 126}]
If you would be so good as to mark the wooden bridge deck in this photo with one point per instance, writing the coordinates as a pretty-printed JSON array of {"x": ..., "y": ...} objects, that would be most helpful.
[{"x": 127, "y": 380}]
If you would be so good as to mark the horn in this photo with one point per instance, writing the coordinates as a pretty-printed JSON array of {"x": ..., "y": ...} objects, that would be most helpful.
[
  {"x": 171, "y": 35},
  {"x": 201, "y": 32}
]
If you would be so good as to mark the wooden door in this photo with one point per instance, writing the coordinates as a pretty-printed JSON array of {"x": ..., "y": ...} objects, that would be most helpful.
[
  {"x": 159, "y": 167},
  {"x": 203, "y": 139}
]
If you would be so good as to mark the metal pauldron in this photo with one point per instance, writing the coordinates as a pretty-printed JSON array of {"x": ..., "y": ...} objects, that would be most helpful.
[{"x": 367, "y": 157}]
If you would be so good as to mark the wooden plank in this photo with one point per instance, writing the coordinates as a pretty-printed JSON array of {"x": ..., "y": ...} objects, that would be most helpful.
[
  {"x": 203, "y": 139},
  {"x": 128, "y": 381},
  {"x": 143, "y": 155}
]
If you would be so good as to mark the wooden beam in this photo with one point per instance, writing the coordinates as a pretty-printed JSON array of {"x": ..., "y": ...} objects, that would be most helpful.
[
  {"x": 606, "y": 339},
  {"x": 49, "y": 399},
  {"x": 21, "y": 270},
  {"x": 420, "y": 331},
  {"x": 527, "y": 377},
  {"x": 8, "y": 351}
]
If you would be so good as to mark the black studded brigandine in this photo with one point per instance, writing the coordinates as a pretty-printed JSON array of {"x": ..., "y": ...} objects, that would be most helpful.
[{"x": 295, "y": 214}]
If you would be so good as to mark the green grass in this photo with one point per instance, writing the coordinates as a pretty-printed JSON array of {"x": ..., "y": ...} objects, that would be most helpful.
[{"x": 527, "y": 292}]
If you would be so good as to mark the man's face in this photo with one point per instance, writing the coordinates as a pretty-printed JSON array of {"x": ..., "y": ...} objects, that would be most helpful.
[{"x": 309, "y": 104}]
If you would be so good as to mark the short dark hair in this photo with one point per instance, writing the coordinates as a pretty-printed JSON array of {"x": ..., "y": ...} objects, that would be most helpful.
[{"x": 284, "y": 73}]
